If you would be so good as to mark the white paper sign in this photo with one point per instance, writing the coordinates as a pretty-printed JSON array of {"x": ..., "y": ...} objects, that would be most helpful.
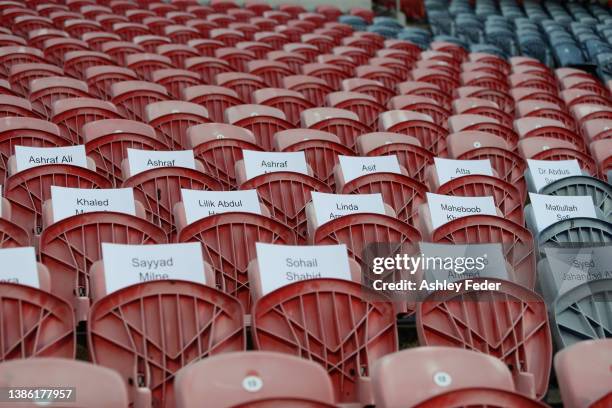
[
  {"x": 353, "y": 167},
  {"x": 258, "y": 163},
  {"x": 449, "y": 169},
  {"x": 19, "y": 266},
  {"x": 126, "y": 265},
  {"x": 544, "y": 172},
  {"x": 73, "y": 201},
  {"x": 445, "y": 208},
  {"x": 281, "y": 265},
  {"x": 200, "y": 204},
  {"x": 452, "y": 263},
  {"x": 142, "y": 160},
  {"x": 27, "y": 157},
  {"x": 550, "y": 209},
  {"x": 328, "y": 207}
]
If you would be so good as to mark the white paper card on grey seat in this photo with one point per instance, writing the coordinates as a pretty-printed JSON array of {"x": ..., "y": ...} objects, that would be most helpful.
[
  {"x": 550, "y": 209},
  {"x": 143, "y": 160},
  {"x": 258, "y": 163},
  {"x": 445, "y": 208},
  {"x": 328, "y": 207},
  {"x": 200, "y": 204},
  {"x": 281, "y": 265},
  {"x": 544, "y": 172},
  {"x": 73, "y": 201},
  {"x": 459, "y": 262},
  {"x": 27, "y": 157},
  {"x": 126, "y": 265},
  {"x": 448, "y": 169},
  {"x": 353, "y": 167},
  {"x": 19, "y": 266}
]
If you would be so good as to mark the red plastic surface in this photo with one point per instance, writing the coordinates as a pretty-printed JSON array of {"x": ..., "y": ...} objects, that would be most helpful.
[
  {"x": 35, "y": 324},
  {"x": 28, "y": 189},
  {"x": 272, "y": 72},
  {"x": 503, "y": 100},
  {"x": 292, "y": 103},
  {"x": 348, "y": 130},
  {"x": 264, "y": 128},
  {"x": 177, "y": 53},
  {"x": 314, "y": 89},
  {"x": 175, "y": 80},
  {"x": 370, "y": 87},
  {"x": 45, "y": 91},
  {"x": 426, "y": 90},
  {"x": 147, "y": 332},
  {"x": 120, "y": 50},
  {"x": 11, "y": 106},
  {"x": 76, "y": 62},
  {"x": 100, "y": 78},
  {"x": 243, "y": 84},
  {"x": 505, "y": 195},
  {"x": 159, "y": 190},
  {"x": 228, "y": 242},
  {"x": 431, "y": 136},
  {"x": 327, "y": 321},
  {"x": 421, "y": 104},
  {"x": 131, "y": 97},
  {"x": 171, "y": 120},
  {"x": 72, "y": 113},
  {"x": 286, "y": 194},
  {"x": 145, "y": 63},
  {"x": 413, "y": 158},
  {"x": 510, "y": 324},
  {"x": 517, "y": 242},
  {"x": 331, "y": 74},
  {"x": 69, "y": 247},
  {"x": 21, "y": 74},
  {"x": 365, "y": 106},
  {"x": 585, "y": 161},
  {"x": 481, "y": 397},
  {"x": 402, "y": 193}
]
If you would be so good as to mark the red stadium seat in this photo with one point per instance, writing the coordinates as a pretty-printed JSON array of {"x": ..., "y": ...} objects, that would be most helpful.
[
  {"x": 446, "y": 82},
  {"x": 263, "y": 121},
  {"x": 45, "y": 91},
  {"x": 56, "y": 47},
  {"x": 77, "y": 27},
  {"x": 100, "y": 78},
  {"x": 258, "y": 7},
  {"x": 291, "y": 31},
  {"x": 592, "y": 85},
  {"x": 206, "y": 47},
  {"x": 219, "y": 146},
  {"x": 177, "y": 53},
  {"x": 15, "y": 106},
  {"x": 175, "y": 80},
  {"x": 216, "y": 99},
  {"x": 228, "y": 37},
  {"x": 600, "y": 150},
  {"x": 562, "y": 73},
  {"x": 271, "y": 369},
  {"x": 56, "y": 372},
  {"x": 72, "y": 113},
  {"x": 503, "y": 100},
  {"x": 538, "y": 70},
  {"x": 583, "y": 113},
  {"x": 240, "y": 14},
  {"x": 235, "y": 57},
  {"x": 331, "y": 298},
  {"x": 60, "y": 17},
  {"x": 358, "y": 55},
  {"x": 273, "y": 39},
  {"x": 384, "y": 75},
  {"x": 97, "y": 38},
  {"x": 20, "y": 75},
  {"x": 172, "y": 118},
  {"x": 25, "y": 23},
  {"x": 180, "y": 17},
  {"x": 121, "y": 6},
  {"x": 365, "y": 106},
  {"x": 475, "y": 66},
  {"x": 523, "y": 93},
  {"x": 331, "y": 74},
  {"x": 293, "y": 59},
  {"x": 107, "y": 141},
  {"x": 76, "y": 62},
  {"x": 181, "y": 33},
  {"x": 573, "y": 97},
  {"x": 425, "y": 89},
  {"x": 406, "y": 57},
  {"x": 421, "y": 104},
  {"x": 431, "y": 136},
  {"x": 107, "y": 21},
  {"x": 131, "y": 97},
  {"x": 12, "y": 55},
  {"x": 361, "y": 41},
  {"x": 293, "y": 9},
  {"x": 597, "y": 129},
  {"x": 443, "y": 382},
  {"x": 243, "y": 84},
  {"x": 541, "y": 109},
  {"x": 582, "y": 374},
  {"x": 144, "y": 64},
  {"x": 127, "y": 31},
  {"x": 292, "y": 103},
  {"x": 161, "y": 8},
  {"x": 138, "y": 15},
  {"x": 320, "y": 148},
  {"x": 272, "y": 72},
  {"x": 211, "y": 322},
  {"x": 207, "y": 67},
  {"x": 341, "y": 122},
  {"x": 485, "y": 80},
  {"x": 120, "y": 50},
  {"x": 398, "y": 66},
  {"x": 324, "y": 43},
  {"x": 201, "y": 11},
  {"x": 8, "y": 40},
  {"x": 221, "y": 19},
  {"x": 260, "y": 49},
  {"x": 463, "y": 122},
  {"x": 551, "y": 148},
  {"x": 157, "y": 26},
  {"x": 534, "y": 127},
  {"x": 532, "y": 81},
  {"x": 484, "y": 107},
  {"x": 449, "y": 69},
  {"x": 313, "y": 88},
  {"x": 504, "y": 313},
  {"x": 344, "y": 62},
  {"x": 36, "y": 324}
]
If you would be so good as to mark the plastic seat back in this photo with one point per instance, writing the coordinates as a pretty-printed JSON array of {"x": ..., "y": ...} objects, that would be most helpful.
[
  {"x": 262, "y": 120},
  {"x": 313, "y": 88},
  {"x": 45, "y": 91},
  {"x": 172, "y": 118},
  {"x": 292, "y": 103},
  {"x": 341, "y": 122},
  {"x": 20, "y": 75},
  {"x": 131, "y": 97},
  {"x": 72, "y": 113}
]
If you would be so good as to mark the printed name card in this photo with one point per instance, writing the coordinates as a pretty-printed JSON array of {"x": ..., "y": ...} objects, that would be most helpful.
[
  {"x": 353, "y": 167},
  {"x": 574, "y": 266},
  {"x": 27, "y": 157},
  {"x": 449, "y": 169},
  {"x": 281, "y": 265},
  {"x": 142, "y": 160},
  {"x": 445, "y": 208},
  {"x": 258, "y": 163},
  {"x": 73, "y": 201},
  {"x": 126, "y": 265},
  {"x": 550, "y": 209},
  {"x": 328, "y": 207},
  {"x": 200, "y": 204},
  {"x": 452, "y": 263},
  {"x": 544, "y": 172},
  {"x": 19, "y": 266}
]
